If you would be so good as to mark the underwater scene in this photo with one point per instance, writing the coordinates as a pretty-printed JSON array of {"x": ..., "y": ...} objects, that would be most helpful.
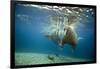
[{"x": 46, "y": 34}]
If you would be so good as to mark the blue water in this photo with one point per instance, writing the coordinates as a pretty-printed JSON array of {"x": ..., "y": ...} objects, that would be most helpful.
[{"x": 28, "y": 36}]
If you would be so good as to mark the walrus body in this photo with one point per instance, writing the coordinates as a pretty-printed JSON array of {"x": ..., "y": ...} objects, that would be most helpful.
[{"x": 70, "y": 38}]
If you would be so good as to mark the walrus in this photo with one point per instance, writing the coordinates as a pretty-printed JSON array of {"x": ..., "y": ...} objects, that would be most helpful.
[{"x": 69, "y": 38}]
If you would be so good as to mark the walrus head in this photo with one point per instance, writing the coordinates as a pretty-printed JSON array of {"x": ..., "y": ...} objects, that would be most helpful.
[{"x": 70, "y": 38}]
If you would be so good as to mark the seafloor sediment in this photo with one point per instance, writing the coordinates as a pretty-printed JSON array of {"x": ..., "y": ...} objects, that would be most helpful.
[{"x": 37, "y": 58}]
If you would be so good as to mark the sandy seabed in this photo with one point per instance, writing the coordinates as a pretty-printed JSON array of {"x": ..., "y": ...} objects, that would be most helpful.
[{"x": 38, "y": 58}]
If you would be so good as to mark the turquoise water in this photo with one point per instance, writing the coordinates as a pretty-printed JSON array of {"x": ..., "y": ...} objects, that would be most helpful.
[{"x": 29, "y": 22}]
